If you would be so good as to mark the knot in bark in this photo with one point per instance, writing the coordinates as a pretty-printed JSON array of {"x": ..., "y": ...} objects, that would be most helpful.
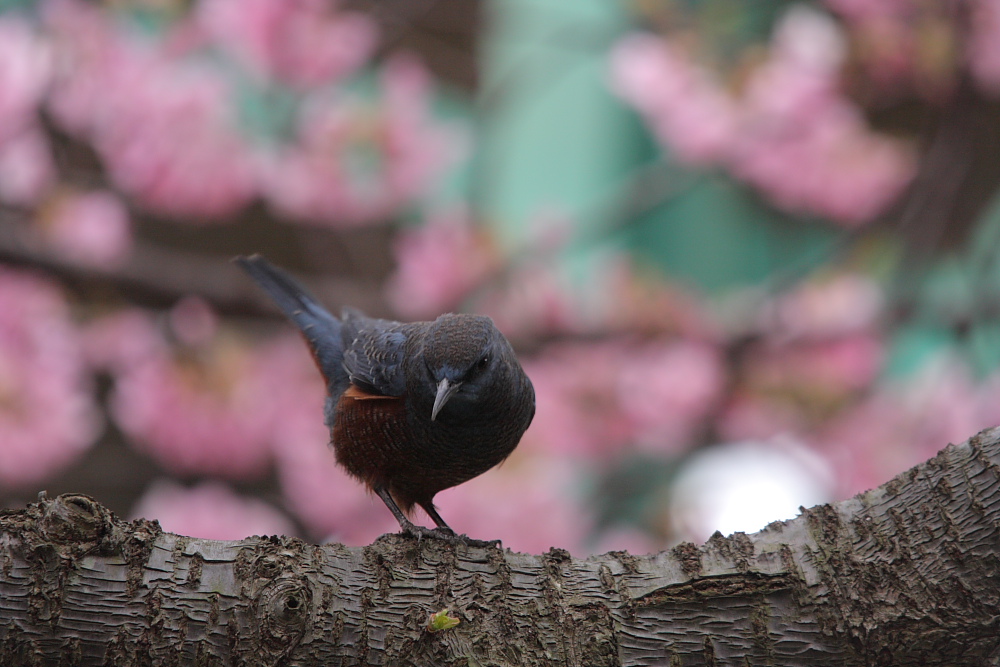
[{"x": 73, "y": 517}]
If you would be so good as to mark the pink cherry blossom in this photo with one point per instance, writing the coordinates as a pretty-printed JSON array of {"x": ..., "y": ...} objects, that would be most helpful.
[
  {"x": 529, "y": 502},
  {"x": 438, "y": 264},
  {"x": 163, "y": 124},
  {"x": 983, "y": 46},
  {"x": 298, "y": 42},
  {"x": 685, "y": 107},
  {"x": 534, "y": 299},
  {"x": 904, "y": 423},
  {"x": 842, "y": 304},
  {"x": 173, "y": 145},
  {"x": 806, "y": 145},
  {"x": 791, "y": 134},
  {"x": 27, "y": 169},
  {"x": 25, "y": 68},
  {"x": 577, "y": 410},
  {"x": 753, "y": 416},
  {"x": 819, "y": 373},
  {"x": 89, "y": 51},
  {"x": 90, "y": 228},
  {"x": 193, "y": 321},
  {"x": 602, "y": 399},
  {"x": 47, "y": 415},
  {"x": 205, "y": 409},
  {"x": 123, "y": 340},
  {"x": 355, "y": 163},
  {"x": 211, "y": 511},
  {"x": 667, "y": 389}
]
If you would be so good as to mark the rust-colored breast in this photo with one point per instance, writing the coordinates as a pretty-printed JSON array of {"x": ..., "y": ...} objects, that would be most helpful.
[{"x": 370, "y": 435}]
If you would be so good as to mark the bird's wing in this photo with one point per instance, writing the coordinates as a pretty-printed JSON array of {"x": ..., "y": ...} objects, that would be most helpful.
[{"x": 373, "y": 355}]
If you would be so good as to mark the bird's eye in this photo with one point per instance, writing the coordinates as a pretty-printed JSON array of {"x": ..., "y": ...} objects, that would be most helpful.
[{"x": 483, "y": 363}]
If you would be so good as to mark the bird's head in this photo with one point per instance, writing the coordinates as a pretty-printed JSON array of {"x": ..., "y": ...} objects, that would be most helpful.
[{"x": 466, "y": 360}]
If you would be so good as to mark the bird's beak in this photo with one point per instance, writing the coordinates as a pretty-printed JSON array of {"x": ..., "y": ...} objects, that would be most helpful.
[{"x": 444, "y": 392}]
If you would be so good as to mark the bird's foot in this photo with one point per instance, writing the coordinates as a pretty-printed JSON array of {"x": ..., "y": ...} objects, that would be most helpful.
[{"x": 445, "y": 534}]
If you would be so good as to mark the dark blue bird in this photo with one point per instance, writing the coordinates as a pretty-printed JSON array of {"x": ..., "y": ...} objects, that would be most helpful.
[{"x": 413, "y": 408}]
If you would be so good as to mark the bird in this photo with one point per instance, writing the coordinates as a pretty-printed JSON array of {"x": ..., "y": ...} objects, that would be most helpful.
[{"x": 413, "y": 408}]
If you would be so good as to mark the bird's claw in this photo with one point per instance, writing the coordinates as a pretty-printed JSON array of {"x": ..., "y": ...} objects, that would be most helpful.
[{"x": 445, "y": 534}]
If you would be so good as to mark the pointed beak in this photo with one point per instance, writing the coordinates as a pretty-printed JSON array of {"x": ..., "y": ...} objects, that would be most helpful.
[{"x": 444, "y": 392}]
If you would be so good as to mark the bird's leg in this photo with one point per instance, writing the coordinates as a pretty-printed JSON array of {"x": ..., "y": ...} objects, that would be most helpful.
[
  {"x": 442, "y": 532},
  {"x": 438, "y": 521},
  {"x": 409, "y": 528}
]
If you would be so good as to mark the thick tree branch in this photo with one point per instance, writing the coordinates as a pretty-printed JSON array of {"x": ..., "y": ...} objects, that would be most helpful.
[{"x": 905, "y": 574}]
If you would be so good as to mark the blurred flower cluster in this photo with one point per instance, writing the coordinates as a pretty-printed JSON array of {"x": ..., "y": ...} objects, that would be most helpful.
[
  {"x": 782, "y": 119},
  {"x": 124, "y": 123},
  {"x": 175, "y": 114}
]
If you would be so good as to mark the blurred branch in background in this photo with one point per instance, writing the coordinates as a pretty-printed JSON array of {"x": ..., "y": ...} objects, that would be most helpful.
[{"x": 740, "y": 247}]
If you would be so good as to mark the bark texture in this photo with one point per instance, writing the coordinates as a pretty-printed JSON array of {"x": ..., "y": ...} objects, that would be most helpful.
[{"x": 906, "y": 574}]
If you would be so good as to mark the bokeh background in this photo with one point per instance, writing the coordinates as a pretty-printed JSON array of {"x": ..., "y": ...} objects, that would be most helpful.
[{"x": 747, "y": 251}]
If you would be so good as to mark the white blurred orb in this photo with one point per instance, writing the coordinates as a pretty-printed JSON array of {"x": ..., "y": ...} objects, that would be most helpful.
[{"x": 744, "y": 486}]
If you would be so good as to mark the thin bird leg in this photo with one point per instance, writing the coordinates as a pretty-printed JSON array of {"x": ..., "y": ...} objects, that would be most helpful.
[
  {"x": 409, "y": 528},
  {"x": 404, "y": 523},
  {"x": 442, "y": 532},
  {"x": 433, "y": 514}
]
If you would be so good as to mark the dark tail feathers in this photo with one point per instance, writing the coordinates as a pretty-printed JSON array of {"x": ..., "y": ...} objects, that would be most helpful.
[{"x": 318, "y": 326}]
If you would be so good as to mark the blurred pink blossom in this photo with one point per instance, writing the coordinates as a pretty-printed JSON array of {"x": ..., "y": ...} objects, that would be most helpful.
[
  {"x": 534, "y": 299},
  {"x": 527, "y": 502},
  {"x": 438, "y": 264},
  {"x": 47, "y": 414},
  {"x": 298, "y": 42},
  {"x": 206, "y": 409},
  {"x": 792, "y": 134},
  {"x": 163, "y": 124},
  {"x": 820, "y": 373},
  {"x": 89, "y": 51},
  {"x": 845, "y": 303},
  {"x": 356, "y": 163},
  {"x": 27, "y": 169},
  {"x": 577, "y": 410},
  {"x": 983, "y": 46},
  {"x": 904, "y": 423},
  {"x": 667, "y": 389},
  {"x": 210, "y": 511},
  {"x": 25, "y": 68},
  {"x": 819, "y": 346},
  {"x": 599, "y": 399},
  {"x": 126, "y": 339},
  {"x": 536, "y": 295},
  {"x": 685, "y": 107},
  {"x": 808, "y": 147},
  {"x": 193, "y": 321},
  {"x": 90, "y": 227},
  {"x": 752, "y": 416}
]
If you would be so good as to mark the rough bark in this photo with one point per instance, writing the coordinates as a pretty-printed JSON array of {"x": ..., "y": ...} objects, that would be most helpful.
[{"x": 905, "y": 574}]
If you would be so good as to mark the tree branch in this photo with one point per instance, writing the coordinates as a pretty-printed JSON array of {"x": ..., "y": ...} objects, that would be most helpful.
[
  {"x": 904, "y": 574},
  {"x": 162, "y": 276}
]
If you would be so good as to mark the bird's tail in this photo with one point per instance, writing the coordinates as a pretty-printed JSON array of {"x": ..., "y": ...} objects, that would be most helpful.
[{"x": 318, "y": 326}]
